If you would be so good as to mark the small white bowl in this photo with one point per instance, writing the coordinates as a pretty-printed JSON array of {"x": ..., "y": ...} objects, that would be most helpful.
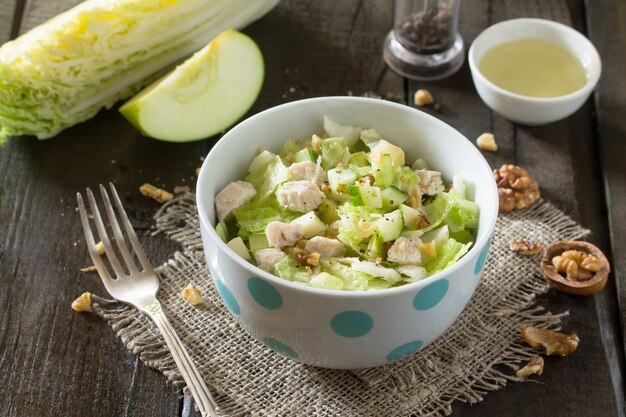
[
  {"x": 344, "y": 329},
  {"x": 531, "y": 110}
]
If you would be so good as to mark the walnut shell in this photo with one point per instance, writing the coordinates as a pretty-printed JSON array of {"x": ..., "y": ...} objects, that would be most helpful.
[{"x": 583, "y": 287}]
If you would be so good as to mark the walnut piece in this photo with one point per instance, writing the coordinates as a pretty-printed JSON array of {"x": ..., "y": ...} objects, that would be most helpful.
[
  {"x": 316, "y": 144},
  {"x": 82, "y": 303},
  {"x": 535, "y": 366},
  {"x": 91, "y": 268},
  {"x": 516, "y": 188},
  {"x": 306, "y": 258},
  {"x": 575, "y": 267},
  {"x": 487, "y": 142},
  {"x": 192, "y": 295},
  {"x": 524, "y": 247},
  {"x": 553, "y": 343},
  {"x": 155, "y": 193},
  {"x": 428, "y": 249},
  {"x": 100, "y": 248},
  {"x": 423, "y": 97}
]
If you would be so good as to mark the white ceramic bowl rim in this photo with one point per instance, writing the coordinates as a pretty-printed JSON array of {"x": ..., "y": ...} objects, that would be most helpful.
[
  {"x": 592, "y": 78},
  {"x": 478, "y": 245}
]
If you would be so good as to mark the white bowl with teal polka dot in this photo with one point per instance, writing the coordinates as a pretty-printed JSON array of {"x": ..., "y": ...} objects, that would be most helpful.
[{"x": 341, "y": 329}]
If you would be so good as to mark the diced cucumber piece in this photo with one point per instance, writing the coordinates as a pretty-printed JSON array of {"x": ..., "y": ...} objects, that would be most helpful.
[
  {"x": 411, "y": 216},
  {"x": 370, "y": 135},
  {"x": 375, "y": 247},
  {"x": 364, "y": 170},
  {"x": 392, "y": 197},
  {"x": 257, "y": 241},
  {"x": 327, "y": 211},
  {"x": 407, "y": 179},
  {"x": 288, "y": 268},
  {"x": 222, "y": 231},
  {"x": 383, "y": 172},
  {"x": 311, "y": 225},
  {"x": 464, "y": 236},
  {"x": 326, "y": 280},
  {"x": 261, "y": 161},
  {"x": 390, "y": 226},
  {"x": 306, "y": 154},
  {"x": 340, "y": 178},
  {"x": 359, "y": 159},
  {"x": 370, "y": 268},
  {"x": 419, "y": 164},
  {"x": 289, "y": 148},
  {"x": 239, "y": 247},
  {"x": 439, "y": 235},
  {"x": 414, "y": 272},
  {"x": 365, "y": 195},
  {"x": 333, "y": 151},
  {"x": 458, "y": 185},
  {"x": 377, "y": 284}
]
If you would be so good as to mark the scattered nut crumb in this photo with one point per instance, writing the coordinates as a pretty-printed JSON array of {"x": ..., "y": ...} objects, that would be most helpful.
[
  {"x": 198, "y": 172},
  {"x": 181, "y": 189},
  {"x": 192, "y": 295},
  {"x": 516, "y": 188},
  {"x": 524, "y": 247},
  {"x": 487, "y": 142},
  {"x": 155, "y": 193},
  {"x": 100, "y": 248},
  {"x": 423, "y": 97},
  {"x": 325, "y": 188},
  {"x": 316, "y": 144},
  {"x": 429, "y": 249},
  {"x": 554, "y": 343},
  {"x": 82, "y": 303},
  {"x": 535, "y": 366},
  {"x": 366, "y": 179},
  {"x": 90, "y": 268},
  {"x": 306, "y": 258}
]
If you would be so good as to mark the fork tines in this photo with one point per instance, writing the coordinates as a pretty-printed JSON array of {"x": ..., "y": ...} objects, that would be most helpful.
[{"x": 92, "y": 245}]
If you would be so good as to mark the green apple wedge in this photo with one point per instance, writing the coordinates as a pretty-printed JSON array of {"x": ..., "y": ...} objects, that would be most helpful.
[{"x": 202, "y": 96}]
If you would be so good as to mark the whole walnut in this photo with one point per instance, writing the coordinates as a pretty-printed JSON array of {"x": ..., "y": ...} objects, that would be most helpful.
[{"x": 516, "y": 188}]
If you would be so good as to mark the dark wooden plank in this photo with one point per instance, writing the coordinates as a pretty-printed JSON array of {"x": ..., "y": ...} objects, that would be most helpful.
[
  {"x": 561, "y": 157},
  {"x": 607, "y": 30},
  {"x": 7, "y": 17}
]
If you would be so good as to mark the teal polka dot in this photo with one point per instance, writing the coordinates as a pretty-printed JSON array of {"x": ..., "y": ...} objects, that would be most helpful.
[
  {"x": 430, "y": 295},
  {"x": 228, "y": 297},
  {"x": 264, "y": 293},
  {"x": 281, "y": 348},
  {"x": 405, "y": 350},
  {"x": 480, "y": 262},
  {"x": 352, "y": 323}
]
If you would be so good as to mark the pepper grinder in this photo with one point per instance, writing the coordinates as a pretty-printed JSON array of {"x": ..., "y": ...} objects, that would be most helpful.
[{"x": 424, "y": 43}]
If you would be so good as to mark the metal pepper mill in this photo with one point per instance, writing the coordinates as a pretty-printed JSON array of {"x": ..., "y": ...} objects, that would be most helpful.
[{"x": 424, "y": 43}]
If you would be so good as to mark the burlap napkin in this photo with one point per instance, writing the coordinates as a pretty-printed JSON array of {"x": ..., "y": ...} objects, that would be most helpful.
[{"x": 477, "y": 355}]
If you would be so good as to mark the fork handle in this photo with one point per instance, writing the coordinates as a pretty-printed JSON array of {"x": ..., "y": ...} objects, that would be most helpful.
[{"x": 199, "y": 390}]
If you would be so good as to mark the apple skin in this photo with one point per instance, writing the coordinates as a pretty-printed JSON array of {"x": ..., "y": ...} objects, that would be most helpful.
[{"x": 204, "y": 95}]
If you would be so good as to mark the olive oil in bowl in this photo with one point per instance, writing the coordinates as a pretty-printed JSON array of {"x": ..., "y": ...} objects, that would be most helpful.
[{"x": 533, "y": 68}]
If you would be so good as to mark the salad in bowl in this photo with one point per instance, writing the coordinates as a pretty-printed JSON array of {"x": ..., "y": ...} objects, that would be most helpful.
[{"x": 346, "y": 210}]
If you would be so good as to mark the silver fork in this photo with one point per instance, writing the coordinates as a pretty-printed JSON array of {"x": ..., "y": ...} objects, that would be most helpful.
[{"x": 138, "y": 287}]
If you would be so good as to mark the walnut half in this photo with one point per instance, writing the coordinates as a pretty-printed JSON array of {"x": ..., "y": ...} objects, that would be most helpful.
[
  {"x": 553, "y": 343},
  {"x": 575, "y": 267}
]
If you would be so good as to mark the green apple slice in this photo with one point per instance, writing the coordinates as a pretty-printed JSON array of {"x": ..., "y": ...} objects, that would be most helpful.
[{"x": 204, "y": 95}]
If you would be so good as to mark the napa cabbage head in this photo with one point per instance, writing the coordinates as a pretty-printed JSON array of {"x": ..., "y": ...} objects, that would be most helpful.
[{"x": 101, "y": 51}]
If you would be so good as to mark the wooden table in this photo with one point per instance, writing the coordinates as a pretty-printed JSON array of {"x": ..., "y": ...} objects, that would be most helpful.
[{"x": 55, "y": 362}]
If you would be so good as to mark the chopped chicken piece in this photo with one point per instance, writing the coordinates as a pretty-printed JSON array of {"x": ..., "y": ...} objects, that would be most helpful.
[
  {"x": 307, "y": 171},
  {"x": 283, "y": 234},
  {"x": 233, "y": 196},
  {"x": 430, "y": 181},
  {"x": 405, "y": 251},
  {"x": 300, "y": 196},
  {"x": 325, "y": 247},
  {"x": 267, "y": 258}
]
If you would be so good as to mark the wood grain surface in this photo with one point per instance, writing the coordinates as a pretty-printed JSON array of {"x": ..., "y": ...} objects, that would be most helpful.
[{"x": 55, "y": 362}]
